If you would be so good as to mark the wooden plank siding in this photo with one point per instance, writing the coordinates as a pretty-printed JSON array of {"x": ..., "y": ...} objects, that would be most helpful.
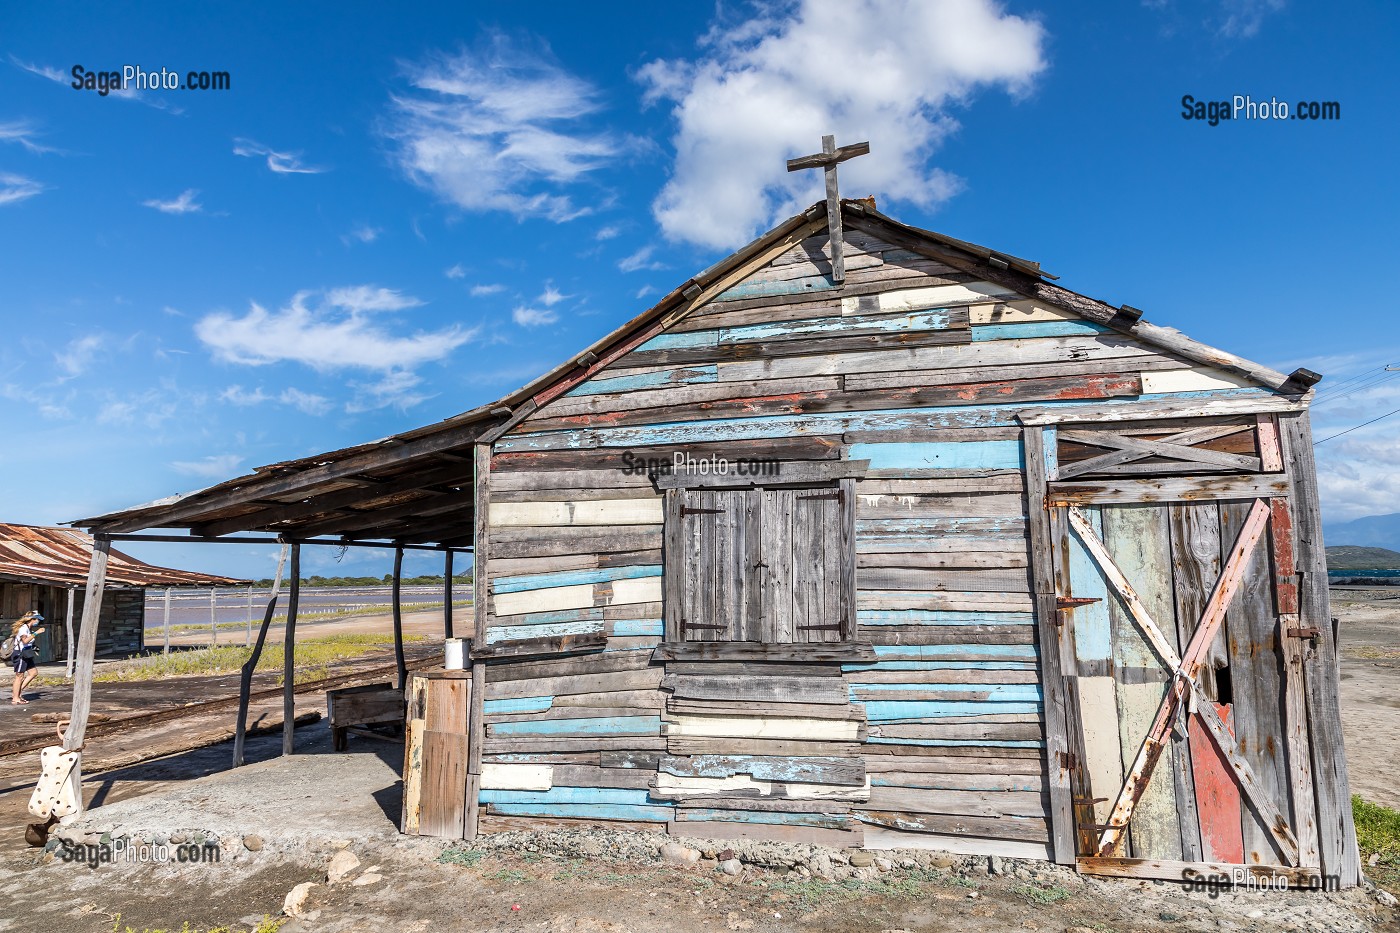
[{"x": 946, "y": 718}]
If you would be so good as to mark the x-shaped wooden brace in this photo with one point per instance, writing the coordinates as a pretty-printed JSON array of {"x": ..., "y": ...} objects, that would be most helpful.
[
  {"x": 1177, "y": 447},
  {"x": 1184, "y": 686}
]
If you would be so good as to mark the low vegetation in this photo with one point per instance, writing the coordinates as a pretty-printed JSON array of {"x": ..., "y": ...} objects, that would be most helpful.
[
  {"x": 305, "y": 615},
  {"x": 313, "y": 658},
  {"x": 267, "y": 925},
  {"x": 1353, "y": 557},
  {"x": 1378, "y": 837}
]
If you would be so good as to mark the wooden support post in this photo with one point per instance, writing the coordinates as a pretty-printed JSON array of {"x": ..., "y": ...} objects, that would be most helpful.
[
  {"x": 289, "y": 644},
  {"x": 476, "y": 720},
  {"x": 166, "y": 624},
  {"x": 248, "y": 624},
  {"x": 398, "y": 619},
  {"x": 245, "y": 687},
  {"x": 213, "y": 617},
  {"x": 68, "y": 627},
  {"x": 82, "y": 675},
  {"x": 1336, "y": 830},
  {"x": 447, "y": 595},
  {"x": 1052, "y": 681}
]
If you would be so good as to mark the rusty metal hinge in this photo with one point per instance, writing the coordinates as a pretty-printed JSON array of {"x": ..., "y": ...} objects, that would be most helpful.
[
  {"x": 822, "y": 628},
  {"x": 1068, "y": 762},
  {"x": 689, "y": 510},
  {"x": 1073, "y": 602},
  {"x": 838, "y": 495},
  {"x": 1312, "y": 631}
]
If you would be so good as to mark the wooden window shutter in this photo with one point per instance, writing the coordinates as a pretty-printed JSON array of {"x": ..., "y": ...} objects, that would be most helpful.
[
  {"x": 713, "y": 558},
  {"x": 819, "y": 608}
]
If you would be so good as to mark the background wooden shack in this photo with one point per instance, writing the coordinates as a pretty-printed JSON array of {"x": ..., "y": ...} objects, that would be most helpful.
[
  {"x": 44, "y": 568},
  {"x": 989, "y": 566}
]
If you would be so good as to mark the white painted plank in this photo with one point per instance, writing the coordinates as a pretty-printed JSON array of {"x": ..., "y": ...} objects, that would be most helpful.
[
  {"x": 938, "y": 296},
  {"x": 879, "y": 837},
  {"x": 1017, "y": 312},
  {"x": 582, "y": 596},
  {"x": 640, "y": 511},
  {"x": 764, "y": 727},
  {"x": 516, "y": 777},
  {"x": 1190, "y": 380}
]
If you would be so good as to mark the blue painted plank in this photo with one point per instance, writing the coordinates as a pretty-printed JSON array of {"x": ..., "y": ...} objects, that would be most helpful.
[
  {"x": 1012, "y": 692},
  {"x": 935, "y": 319},
  {"x": 505, "y": 633},
  {"x": 811, "y": 283},
  {"x": 896, "y": 710},
  {"x": 1018, "y": 782},
  {"x": 959, "y": 743},
  {"x": 941, "y": 666},
  {"x": 949, "y": 455},
  {"x": 517, "y": 705},
  {"x": 620, "y": 725},
  {"x": 941, "y": 617},
  {"x": 941, "y": 526},
  {"x": 1092, "y": 641},
  {"x": 935, "y": 652},
  {"x": 1037, "y": 329},
  {"x": 824, "y": 820},
  {"x": 637, "y": 627},
  {"x": 545, "y": 581},
  {"x": 760, "y": 768},
  {"x": 586, "y": 811},
  {"x": 758, "y": 427},
  {"x": 564, "y": 794},
  {"x": 685, "y": 375}
]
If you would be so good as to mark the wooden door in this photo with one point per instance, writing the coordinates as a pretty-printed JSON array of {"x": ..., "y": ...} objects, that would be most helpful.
[{"x": 1184, "y": 686}]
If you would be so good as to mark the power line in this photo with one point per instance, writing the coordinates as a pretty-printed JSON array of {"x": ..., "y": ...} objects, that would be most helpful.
[{"x": 1359, "y": 426}]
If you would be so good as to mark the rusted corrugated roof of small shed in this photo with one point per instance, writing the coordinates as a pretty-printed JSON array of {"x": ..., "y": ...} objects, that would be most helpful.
[{"x": 60, "y": 556}]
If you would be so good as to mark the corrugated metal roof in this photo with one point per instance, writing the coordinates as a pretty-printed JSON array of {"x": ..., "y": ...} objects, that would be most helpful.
[{"x": 60, "y": 556}]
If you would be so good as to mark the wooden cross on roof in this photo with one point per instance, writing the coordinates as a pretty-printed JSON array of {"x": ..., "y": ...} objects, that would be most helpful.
[{"x": 827, "y": 160}]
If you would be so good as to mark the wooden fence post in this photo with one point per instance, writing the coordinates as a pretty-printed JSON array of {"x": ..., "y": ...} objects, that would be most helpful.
[
  {"x": 245, "y": 687},
  {"x": 166, "y": 624},
  {"x": 68, "y": 626},
  {"x": 289, "y": 644},
  {"x": 213, "y": 617}
]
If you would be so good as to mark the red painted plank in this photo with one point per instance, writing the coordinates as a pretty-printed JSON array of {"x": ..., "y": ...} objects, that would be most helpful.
[{"x": 1217, "y": 797}]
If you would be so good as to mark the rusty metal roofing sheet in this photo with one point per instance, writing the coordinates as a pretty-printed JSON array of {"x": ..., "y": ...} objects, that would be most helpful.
[{"x": 60, "y": 556}]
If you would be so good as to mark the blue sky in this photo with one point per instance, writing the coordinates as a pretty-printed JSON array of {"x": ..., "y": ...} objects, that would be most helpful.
[{"x": 390, "y": 218}]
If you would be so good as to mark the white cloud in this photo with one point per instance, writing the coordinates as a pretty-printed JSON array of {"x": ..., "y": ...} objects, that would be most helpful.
[
  {"x": 364, "y": 233},
  {"x": 395, "y": 389},
  {"x": 641, "y": 259},
  {"x": 552, "y": 296},
  {"x": 218, "y": 466},
  {"x": 455, "y": 272},
  {"x": 481, "y": 291},
  {"x": 43, "y": 71},
  {"x": 75, "y": 358},
  {"x": 283, "y": 163},
  {"x": 1242, "y": 19},
  {"x": 499, "y": 130},
  {"x": 533, "y": 317},
  {"x": 184, "y": 204},
  {"x": 16, "y": 188},
  {"x": 646, "y": 290},
  {"x": 327, "y": 331},
  {"x": 42, "y": 400},
  {"x": 1358, "y": 472},
  {"x": 19, "y": 131},
  {"x": 305, "y": 402},
  {"x": 766, "y": 90},
  {"x": 607, "y": 233}
]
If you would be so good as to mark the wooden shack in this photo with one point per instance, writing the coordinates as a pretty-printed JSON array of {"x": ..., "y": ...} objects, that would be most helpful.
[
  {"x": 44, "y": 568},
  {"x": 935, "y": 553}
]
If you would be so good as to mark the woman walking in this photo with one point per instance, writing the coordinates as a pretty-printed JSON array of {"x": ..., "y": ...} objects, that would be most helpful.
[{"x": 26, "y": 656}]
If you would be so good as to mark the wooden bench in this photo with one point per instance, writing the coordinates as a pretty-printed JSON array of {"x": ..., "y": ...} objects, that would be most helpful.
[{"x": 362, "y": 706}]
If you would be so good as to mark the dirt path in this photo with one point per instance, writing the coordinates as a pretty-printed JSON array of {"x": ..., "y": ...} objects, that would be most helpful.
[{"x": 1369, "y": 631}]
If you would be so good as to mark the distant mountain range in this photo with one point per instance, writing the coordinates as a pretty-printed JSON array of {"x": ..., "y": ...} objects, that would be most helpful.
[
  {"x": 1371, "y": 531},
  {"x": 1350, "y": 557}
]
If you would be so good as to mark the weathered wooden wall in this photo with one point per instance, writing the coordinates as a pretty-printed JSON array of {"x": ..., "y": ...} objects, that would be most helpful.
[{"x": 939, "y": 736}]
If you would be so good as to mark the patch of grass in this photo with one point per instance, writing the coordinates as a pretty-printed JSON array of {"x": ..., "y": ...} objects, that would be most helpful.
[
  {"x": 307, "y": 616},
  {"x": 467, "y": 858},
  {"x": 509, "y": 876},
  {"x": 1371, "y": 653},
  {"x": 1034, "y": 894},
  {"x": 266, "y": 925},
  {"x": 1378, "y": 833},
  {"x": 312, "y": 659},
  {"x": 809, "y": 893}
]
